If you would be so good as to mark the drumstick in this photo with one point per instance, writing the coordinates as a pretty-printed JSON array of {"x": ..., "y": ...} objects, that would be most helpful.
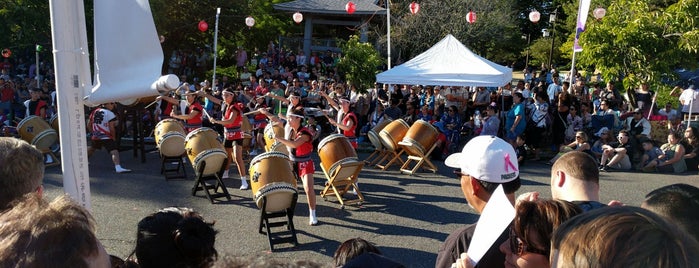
[
  {"x": 253, "y": 112},
  {"x": 151, "y": 104},
  {"x": 206, "y": 113}
]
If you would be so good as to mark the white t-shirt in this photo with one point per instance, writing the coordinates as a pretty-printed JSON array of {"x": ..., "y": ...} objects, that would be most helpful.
[
  {"x": 690, "y": 97},
  {"x": 100, "y": 124}
]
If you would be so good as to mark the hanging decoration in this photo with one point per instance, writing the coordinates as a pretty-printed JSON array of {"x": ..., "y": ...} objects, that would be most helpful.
[
  {"x": 471, "y": 17},
  {"x": 203, "y": 26},
  {"x": 350, "y": 7},
  {"x": 250, "y": 21},
  {"x": 298, "y": 17},
  {"x": 599, "y": 13},
  {"x": 6, "y": 53},
  {"x": 414, "y": 8},
  {"x": 534, "y": 16}
]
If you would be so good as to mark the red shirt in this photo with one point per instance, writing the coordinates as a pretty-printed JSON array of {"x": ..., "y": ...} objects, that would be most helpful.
[{"x": 233, "y": 130}]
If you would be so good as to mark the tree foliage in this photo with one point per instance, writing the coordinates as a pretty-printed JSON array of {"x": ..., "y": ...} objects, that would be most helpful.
[
  {"x": 640, "y": 41},
  {"x": 359, "y": 63}
]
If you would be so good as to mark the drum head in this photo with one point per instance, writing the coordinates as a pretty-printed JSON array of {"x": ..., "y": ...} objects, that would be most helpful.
[{"x": 280, "y": 196}]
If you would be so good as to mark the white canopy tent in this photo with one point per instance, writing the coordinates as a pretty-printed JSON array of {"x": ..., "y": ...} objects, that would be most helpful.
[{"x": 448, "y": 63}]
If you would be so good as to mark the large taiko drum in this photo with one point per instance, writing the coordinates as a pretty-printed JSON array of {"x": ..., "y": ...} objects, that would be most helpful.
[
  {"x": 335, "y": 150},
  {"x": 422, "y": 135},
  {"x": 271, "y": 131},
  {"x": 373, "y": 134},
  {"x": 37, "y": 132},
  {"x": 202, "y": 146},
  {"x": 169, "y": 137},
  {"x": 271, "y": 176},
  {"x": 247, "y": 133},
  {"x": 54, "y": 123},
  {"x": 393, "y": 133}
]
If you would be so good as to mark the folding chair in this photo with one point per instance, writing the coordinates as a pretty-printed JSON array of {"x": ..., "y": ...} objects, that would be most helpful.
[
  {"x": 210, "y": 190},
  {"x": 343, "y": 178},
  {"x": 415, "y": 153}
]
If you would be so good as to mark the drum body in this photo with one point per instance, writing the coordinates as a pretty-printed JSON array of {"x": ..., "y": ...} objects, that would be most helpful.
[
  {"x": 334, "y": 150},
  {"x": 54, "y": 123},
  {"x": 169, "y": 137},
  {"x": 271, "y": 131},
  {"x": 373, "y": 134},
  {"x": 247, "y": 134},
  {"x": 37, "y": 132},
  {"x": 422, "y": 135},
  {"x": 393, "y": 133},
  {"x": 271, "y": 176},
  {"x": 202, "y": 146}
]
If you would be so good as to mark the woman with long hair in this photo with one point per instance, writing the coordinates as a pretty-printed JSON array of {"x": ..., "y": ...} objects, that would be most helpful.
[{"x": 691, "y": 144}]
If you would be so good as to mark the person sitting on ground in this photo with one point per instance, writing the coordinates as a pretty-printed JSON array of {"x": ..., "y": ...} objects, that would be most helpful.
[
  {"x": 650, "y": 154},
  {"x": 691, "y": 146},
  {"x": 622, "y": 236},
  {"x": 36, "y": 233},
  {"x": 580, "y": 144},
  {"x": 174, "y": 237},
  {"x": 21, "y": 171},
  {"x": 677, "y": 203},
  {"x": 485, "y": 163},
  {"x": 672, "y": 159},
  {"x": 617, "y": 155},
  {"x": 605, "y": 137}
]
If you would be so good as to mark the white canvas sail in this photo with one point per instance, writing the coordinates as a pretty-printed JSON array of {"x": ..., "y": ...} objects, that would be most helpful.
[{"x": 128, "y": 55}]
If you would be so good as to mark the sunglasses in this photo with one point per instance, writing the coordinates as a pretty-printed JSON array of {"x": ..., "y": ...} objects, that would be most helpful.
[{"x": 518, "y": 247}]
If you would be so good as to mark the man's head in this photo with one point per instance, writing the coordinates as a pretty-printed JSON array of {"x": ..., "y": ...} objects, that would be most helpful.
[
  {"x": 678, "y": 203},
  {"x": 35, "y": 233},
  {"x": 637, "y": 114},
  {"x": 575, "y": 177},
  {"x": 484, "y": 164},
  {"x": 21, "y": 170}
]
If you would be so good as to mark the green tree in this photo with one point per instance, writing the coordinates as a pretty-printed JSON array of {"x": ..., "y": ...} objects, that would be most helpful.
[
  {"x": 639, "y": 40},
  {"x": 359, "y": 63}
]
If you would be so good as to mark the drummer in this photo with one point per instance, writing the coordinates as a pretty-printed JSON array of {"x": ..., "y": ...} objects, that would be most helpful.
[
  {"x": 346, "y": 120},
  {"x": 301, "y": 148},
  {"x": 294, "y": 103},
  {"x": 35, "y": 106},
  {"x": 103, "y": 124},
  {"x": 259, "y": 124},
  {"x": 191, "y": 110},
  {"x": 232, "y": 122}
]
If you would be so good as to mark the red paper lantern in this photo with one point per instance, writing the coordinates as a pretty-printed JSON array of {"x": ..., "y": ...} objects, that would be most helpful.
[
  {"x": 203, "y": 26},
  {"x": 298, "y": 17},
  {"x": 350, "y": 7},
  {"x": 534, "y": 16},
  {"x": 6, "y": 53},
  {"x": 471, "y": 17},
  {"x": 414, "y": 8}
]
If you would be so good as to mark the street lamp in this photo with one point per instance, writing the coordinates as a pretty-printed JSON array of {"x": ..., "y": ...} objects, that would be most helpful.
[{"x": 552, "y": 19}]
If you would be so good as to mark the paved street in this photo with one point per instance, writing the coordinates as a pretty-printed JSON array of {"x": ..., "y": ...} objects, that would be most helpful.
[{"x": 406, "y": 216}]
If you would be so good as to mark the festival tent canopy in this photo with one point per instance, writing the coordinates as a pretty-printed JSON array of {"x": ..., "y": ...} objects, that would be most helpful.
[{"x": 448, "y": 63}]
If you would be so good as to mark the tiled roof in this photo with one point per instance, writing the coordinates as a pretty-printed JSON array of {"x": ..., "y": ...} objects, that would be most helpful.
[{"x": 364, "y": 7}]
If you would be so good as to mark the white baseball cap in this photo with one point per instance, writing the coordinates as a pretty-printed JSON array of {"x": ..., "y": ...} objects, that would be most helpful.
[{"x": 487, "y": 158}]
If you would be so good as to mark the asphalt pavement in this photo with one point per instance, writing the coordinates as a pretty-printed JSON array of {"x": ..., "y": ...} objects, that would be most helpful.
[{"x": 406, "y": 216}]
